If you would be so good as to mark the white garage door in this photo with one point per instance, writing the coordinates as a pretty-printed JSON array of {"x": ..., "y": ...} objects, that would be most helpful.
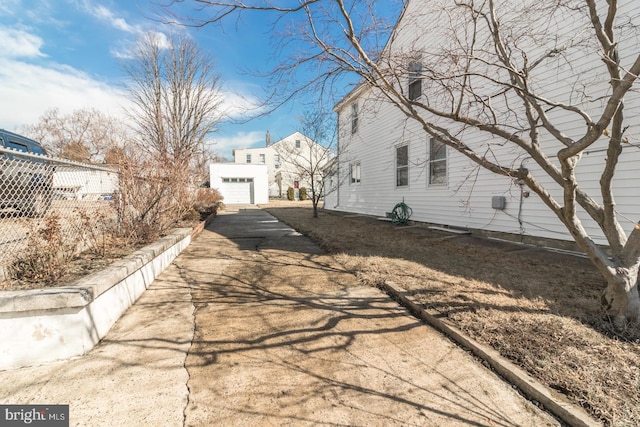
[{"x": 237, "y": 190}]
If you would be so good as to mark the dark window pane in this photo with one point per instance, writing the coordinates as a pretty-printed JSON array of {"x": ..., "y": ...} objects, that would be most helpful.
[
  {"x": 437, "y": 162},
  {"x": 402, "y": 155},
  {"x": 402, "y": 176}
]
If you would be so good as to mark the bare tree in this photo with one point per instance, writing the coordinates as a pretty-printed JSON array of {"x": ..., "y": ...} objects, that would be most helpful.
[
  {"x": 176, "y": 95},
  {"x": 490, "y": 70},
  {"x": 84, "y": 135},
  {"x": 308, "y": 160},
  {"x": 176, "y": 101}
]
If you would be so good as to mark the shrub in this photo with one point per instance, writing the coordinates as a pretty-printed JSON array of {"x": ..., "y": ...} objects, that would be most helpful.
[
  {"x": 191, "y": 215},
  {"x": 153, "y": 195},
  {"x": 303, "y": 193},
  {"x": 290, "y": 193},
  {"x": 96, "y": 229},
  {"x": 46, "y": 255},
  {"x": 207, "y": 201}
]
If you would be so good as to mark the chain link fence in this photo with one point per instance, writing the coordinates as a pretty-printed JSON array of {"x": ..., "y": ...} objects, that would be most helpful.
[{"x": 49, "y": 204}]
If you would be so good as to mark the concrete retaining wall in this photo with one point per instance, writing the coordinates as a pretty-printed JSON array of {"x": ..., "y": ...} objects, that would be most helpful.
[{"x": 43, "y": 325}]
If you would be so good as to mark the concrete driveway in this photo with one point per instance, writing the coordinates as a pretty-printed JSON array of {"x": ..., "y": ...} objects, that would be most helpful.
[
  {"x": 284, "y": 336},
  {"x": 254, "y": 325}
]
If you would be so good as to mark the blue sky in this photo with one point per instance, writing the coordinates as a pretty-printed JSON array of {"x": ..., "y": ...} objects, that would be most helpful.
[{"x": 67, "y": 53}]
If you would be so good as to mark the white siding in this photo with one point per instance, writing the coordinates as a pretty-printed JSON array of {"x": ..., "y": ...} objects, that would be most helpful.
[{"x": 465, "y": 201}]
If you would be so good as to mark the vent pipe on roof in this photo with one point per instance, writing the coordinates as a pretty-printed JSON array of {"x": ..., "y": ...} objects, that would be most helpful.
[{"x": 268, "y": 138}]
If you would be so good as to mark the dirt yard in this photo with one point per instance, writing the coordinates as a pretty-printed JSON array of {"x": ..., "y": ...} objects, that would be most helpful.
[{"x": 538, "y": 308}]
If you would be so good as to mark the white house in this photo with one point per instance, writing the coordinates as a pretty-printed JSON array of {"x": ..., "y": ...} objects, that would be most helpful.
[
  {"x": 240, "y": 184},
  {"x": 385, "y": 157},
  {"x": 290, "y": 161}
]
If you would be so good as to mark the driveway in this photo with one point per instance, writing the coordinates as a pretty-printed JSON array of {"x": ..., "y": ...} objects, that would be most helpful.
[{"x": 285, "y": 336}]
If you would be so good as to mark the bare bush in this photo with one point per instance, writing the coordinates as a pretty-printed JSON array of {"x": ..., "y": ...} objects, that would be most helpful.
[
  {"x": 98, "y": 229},
  {"x": 47, "y": 253},
  {"x": 151, "y": 199},
  {"x": 207, "y": 201}
]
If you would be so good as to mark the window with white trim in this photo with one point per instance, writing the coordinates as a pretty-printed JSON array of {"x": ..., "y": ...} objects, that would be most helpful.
[
  {"x": 415, "y": 80},
  {"x": 262, "y": 158},
  {"x": 437, "y": 162},
  {"x": 402, "y": 166},
  {"x": 354, "y": 172},
  {"x": 248, "y": 158}
]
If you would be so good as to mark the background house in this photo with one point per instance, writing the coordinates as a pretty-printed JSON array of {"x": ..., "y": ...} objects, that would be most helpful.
[
  {"x": 384, "y": 158},
  {"x": 289, "y": 161}
]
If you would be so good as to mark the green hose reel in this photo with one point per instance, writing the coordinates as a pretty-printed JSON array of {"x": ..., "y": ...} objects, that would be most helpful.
[{"x": 401, "y": 213}]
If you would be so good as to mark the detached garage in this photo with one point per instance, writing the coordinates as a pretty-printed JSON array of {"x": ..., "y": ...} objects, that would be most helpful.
[{"x": 241, "y": 183}]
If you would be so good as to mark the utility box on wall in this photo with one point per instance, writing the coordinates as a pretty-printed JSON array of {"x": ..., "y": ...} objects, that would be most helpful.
[{"x": 499, "y": 202}]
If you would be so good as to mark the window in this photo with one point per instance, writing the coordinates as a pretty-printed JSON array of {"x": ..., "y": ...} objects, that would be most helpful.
[
  {"x": 415, "y": 80},
  {"x": 276, "y": 160},
  {"x": 248, "y": 158},
  {"x": 237, "y": 179},
  {"x": 17, "y": 146},
  {"x": 402, "y": 166},
  {"x": 354, "y": 172},
  {"x": 297, "y": 143},
  {"x": 354, "y": 117},
  {"x": 437, "y": 162},
  {"x": 262, "y": 158}
]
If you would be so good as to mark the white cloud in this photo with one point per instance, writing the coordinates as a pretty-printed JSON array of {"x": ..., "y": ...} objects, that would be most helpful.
[
  {"x": 104, "y": 14},
  {"x": 128, "y": 49},
  {"x": 160, "y": 39},
  {"x": 236, "y": 106},
  {"x": 238, "y": 101},
  {"x": 18, "y": 43},
  {"x": 29, "y": 90},
  {"x": 8, "y": 7},
  {"x": 239, "y": 140}
]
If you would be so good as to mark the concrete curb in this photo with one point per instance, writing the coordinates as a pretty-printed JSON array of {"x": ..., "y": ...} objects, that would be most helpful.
[
  {"x": 198, "y": 228},
  {"x": 43, "y": 325},
  {"x": 554, "y": 402}
]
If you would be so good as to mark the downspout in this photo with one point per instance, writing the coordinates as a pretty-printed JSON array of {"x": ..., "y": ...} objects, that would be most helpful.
[
  {"x": 521, "y": 184},
  {"x": 338, "y": 161},
  {"x": 523, "y": 194}
]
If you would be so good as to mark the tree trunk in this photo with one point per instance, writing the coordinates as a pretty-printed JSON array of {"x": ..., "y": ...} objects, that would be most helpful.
[{"x": 621, "y": 299}]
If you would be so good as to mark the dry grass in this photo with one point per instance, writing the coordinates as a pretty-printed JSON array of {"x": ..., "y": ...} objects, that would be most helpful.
[{"x": 538, "y": 308}]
